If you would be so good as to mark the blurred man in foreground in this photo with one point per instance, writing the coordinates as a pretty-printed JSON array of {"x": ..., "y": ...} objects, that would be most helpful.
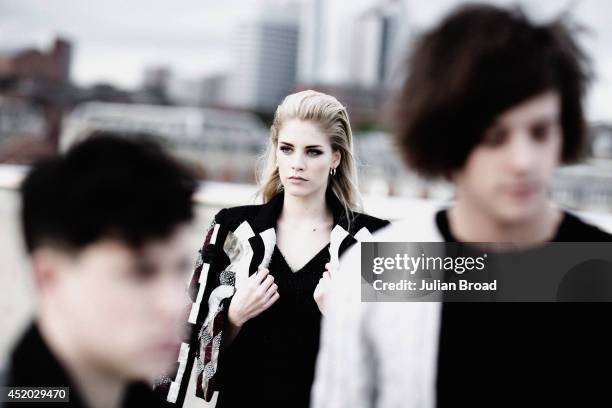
[
  {"x": 105, "y": 227},
  {"x": 493, "y": 103}
]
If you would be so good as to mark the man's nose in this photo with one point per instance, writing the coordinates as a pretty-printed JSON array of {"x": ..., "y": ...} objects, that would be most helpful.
[
  {"x": 171, "y": 299},
  {"x": 522, "y": 152}
]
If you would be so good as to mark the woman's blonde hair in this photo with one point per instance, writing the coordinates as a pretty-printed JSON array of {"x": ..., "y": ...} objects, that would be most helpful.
[{"x": 332, "y": 119}]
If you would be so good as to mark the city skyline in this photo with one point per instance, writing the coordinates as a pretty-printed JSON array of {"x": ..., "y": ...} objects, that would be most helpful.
[{"x": 116, "y": 42}]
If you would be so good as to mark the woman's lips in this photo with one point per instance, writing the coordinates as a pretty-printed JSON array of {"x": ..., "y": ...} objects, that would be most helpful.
[{"x": 297, "y": 180}]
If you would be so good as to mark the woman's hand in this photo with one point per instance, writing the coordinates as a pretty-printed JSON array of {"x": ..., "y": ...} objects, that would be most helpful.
[
  {"x": 323, "y": 286},
  {"x": 256, "y": 295}
]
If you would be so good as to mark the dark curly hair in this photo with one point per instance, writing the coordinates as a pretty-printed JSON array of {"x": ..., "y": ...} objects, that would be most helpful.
[{"x": 480, "y": 61}]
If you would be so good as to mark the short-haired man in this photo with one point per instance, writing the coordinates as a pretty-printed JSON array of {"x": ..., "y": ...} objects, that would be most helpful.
[
  {"x": 493, "y": 103},
  {"x": 105, "y": 226}
]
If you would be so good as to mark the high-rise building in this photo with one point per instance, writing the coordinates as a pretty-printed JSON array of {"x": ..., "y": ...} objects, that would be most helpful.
[
  {"x": 156, "y": 81},
  {"x": 601, "y": 141},
  {"x": 376, "y": 43},
  {"x": 351, "y": 44},
  {"x": 265, "y": 57},
  {"x": 312, "y": 34}
]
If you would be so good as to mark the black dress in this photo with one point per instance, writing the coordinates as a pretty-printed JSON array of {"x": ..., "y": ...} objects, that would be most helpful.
[
  {"x": 524, "y": 354},
  {"x": 273, "y": 357}
]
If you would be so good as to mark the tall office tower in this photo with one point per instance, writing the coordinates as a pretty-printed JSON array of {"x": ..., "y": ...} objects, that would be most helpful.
[
  {"x": 377, "y": 36},
  {"x": 312, "y": 39},
  {"x": 265, "y": 57},
  {"x": 351, "y": 44}
]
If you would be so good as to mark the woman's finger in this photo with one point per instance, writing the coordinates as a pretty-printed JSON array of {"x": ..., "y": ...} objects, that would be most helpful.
[
  {"x": 261, "y": 274},
  {"x": 270, "y": 292},
  {"x": 273, "y": 299},
  {"x": 269, "y": 281}
]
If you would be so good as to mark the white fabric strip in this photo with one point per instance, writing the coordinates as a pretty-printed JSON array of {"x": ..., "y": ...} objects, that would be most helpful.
[
  {"x": 195, "y": 307},
  {"x": 241, "y": 265},
  {"x": 335, "y": 240},
  {"x": 269, "y": 239},
  {"x": 176, "y": 384},
  {"x": 364, "y": 235}
]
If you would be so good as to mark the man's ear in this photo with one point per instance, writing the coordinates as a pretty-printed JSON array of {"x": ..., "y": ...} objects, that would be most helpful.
[
  {"x": 47, "y": 265},
  {"x": 452, "y": 176}
]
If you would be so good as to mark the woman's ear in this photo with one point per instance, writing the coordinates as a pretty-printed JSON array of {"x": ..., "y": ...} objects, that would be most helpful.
[{"x": 336, "y": 158}]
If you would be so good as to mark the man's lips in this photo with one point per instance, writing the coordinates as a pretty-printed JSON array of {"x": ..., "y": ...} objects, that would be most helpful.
[
  {"x": 522, "y": 190},
  {"x": 168, "y": 346}
]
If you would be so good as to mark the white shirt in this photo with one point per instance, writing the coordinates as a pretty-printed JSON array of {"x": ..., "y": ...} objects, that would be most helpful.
[{"x": 378, "y": 354}]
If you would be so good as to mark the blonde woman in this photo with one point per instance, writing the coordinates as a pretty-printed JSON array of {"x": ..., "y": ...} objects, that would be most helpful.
[{"x": 260, "y": 284}]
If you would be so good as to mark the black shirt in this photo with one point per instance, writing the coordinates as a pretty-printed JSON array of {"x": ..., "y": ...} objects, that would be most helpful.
[
  {"x": 272, "y": 360},
  {"x": 33, "y": 365},
  {"x": 523, "y": 354}
]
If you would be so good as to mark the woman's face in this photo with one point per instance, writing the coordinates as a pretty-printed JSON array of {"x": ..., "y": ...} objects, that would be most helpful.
[{"x": 304, "y": 156}]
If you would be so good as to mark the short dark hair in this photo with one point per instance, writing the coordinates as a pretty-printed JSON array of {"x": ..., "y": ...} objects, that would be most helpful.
[
  {"x": 105, "y": 186},
  {"x": 480, "y": 61}
]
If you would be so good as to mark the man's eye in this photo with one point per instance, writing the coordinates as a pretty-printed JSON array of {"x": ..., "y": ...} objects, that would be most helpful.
[
  {"x": 184, "y": 266},
  {"x": 144, "y": 272},
  {"x": 541, "y": 132},
  {"x": 494, "y": 138}
]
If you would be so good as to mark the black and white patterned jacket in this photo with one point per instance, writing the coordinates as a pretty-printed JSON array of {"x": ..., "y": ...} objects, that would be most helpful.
[{"x": 238, "y": 242}]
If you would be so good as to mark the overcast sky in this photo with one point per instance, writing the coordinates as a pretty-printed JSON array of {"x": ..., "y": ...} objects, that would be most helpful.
[{"x": 116, "y": 39}]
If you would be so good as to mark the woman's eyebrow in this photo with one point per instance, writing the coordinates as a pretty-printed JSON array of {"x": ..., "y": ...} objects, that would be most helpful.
[{"x": 306, "y": 147}]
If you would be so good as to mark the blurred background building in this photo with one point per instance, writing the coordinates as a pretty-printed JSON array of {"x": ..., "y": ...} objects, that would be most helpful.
[
  {"x": 217, "y": 120},
  {"x": 216, "y": 144},
  {"x": 34, "y": 90},
  {"x": 265, "y": 57}
]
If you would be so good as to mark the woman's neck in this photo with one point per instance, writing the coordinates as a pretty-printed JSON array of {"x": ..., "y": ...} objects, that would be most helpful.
[
  {"x": 309, "y": 209},
  {"x": 469, "y": 224}
]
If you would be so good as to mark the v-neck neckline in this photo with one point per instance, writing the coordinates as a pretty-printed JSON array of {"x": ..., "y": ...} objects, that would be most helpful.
[{"x": 276, "y": 248}]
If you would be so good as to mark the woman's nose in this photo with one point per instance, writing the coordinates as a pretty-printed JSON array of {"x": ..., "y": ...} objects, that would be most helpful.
[{"x": 297, "y": 162}]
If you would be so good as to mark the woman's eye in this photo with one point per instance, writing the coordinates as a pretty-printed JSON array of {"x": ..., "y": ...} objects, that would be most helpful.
[
  {"x": 285, "y": 149},
  {"x": 314, "y": 152}
]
